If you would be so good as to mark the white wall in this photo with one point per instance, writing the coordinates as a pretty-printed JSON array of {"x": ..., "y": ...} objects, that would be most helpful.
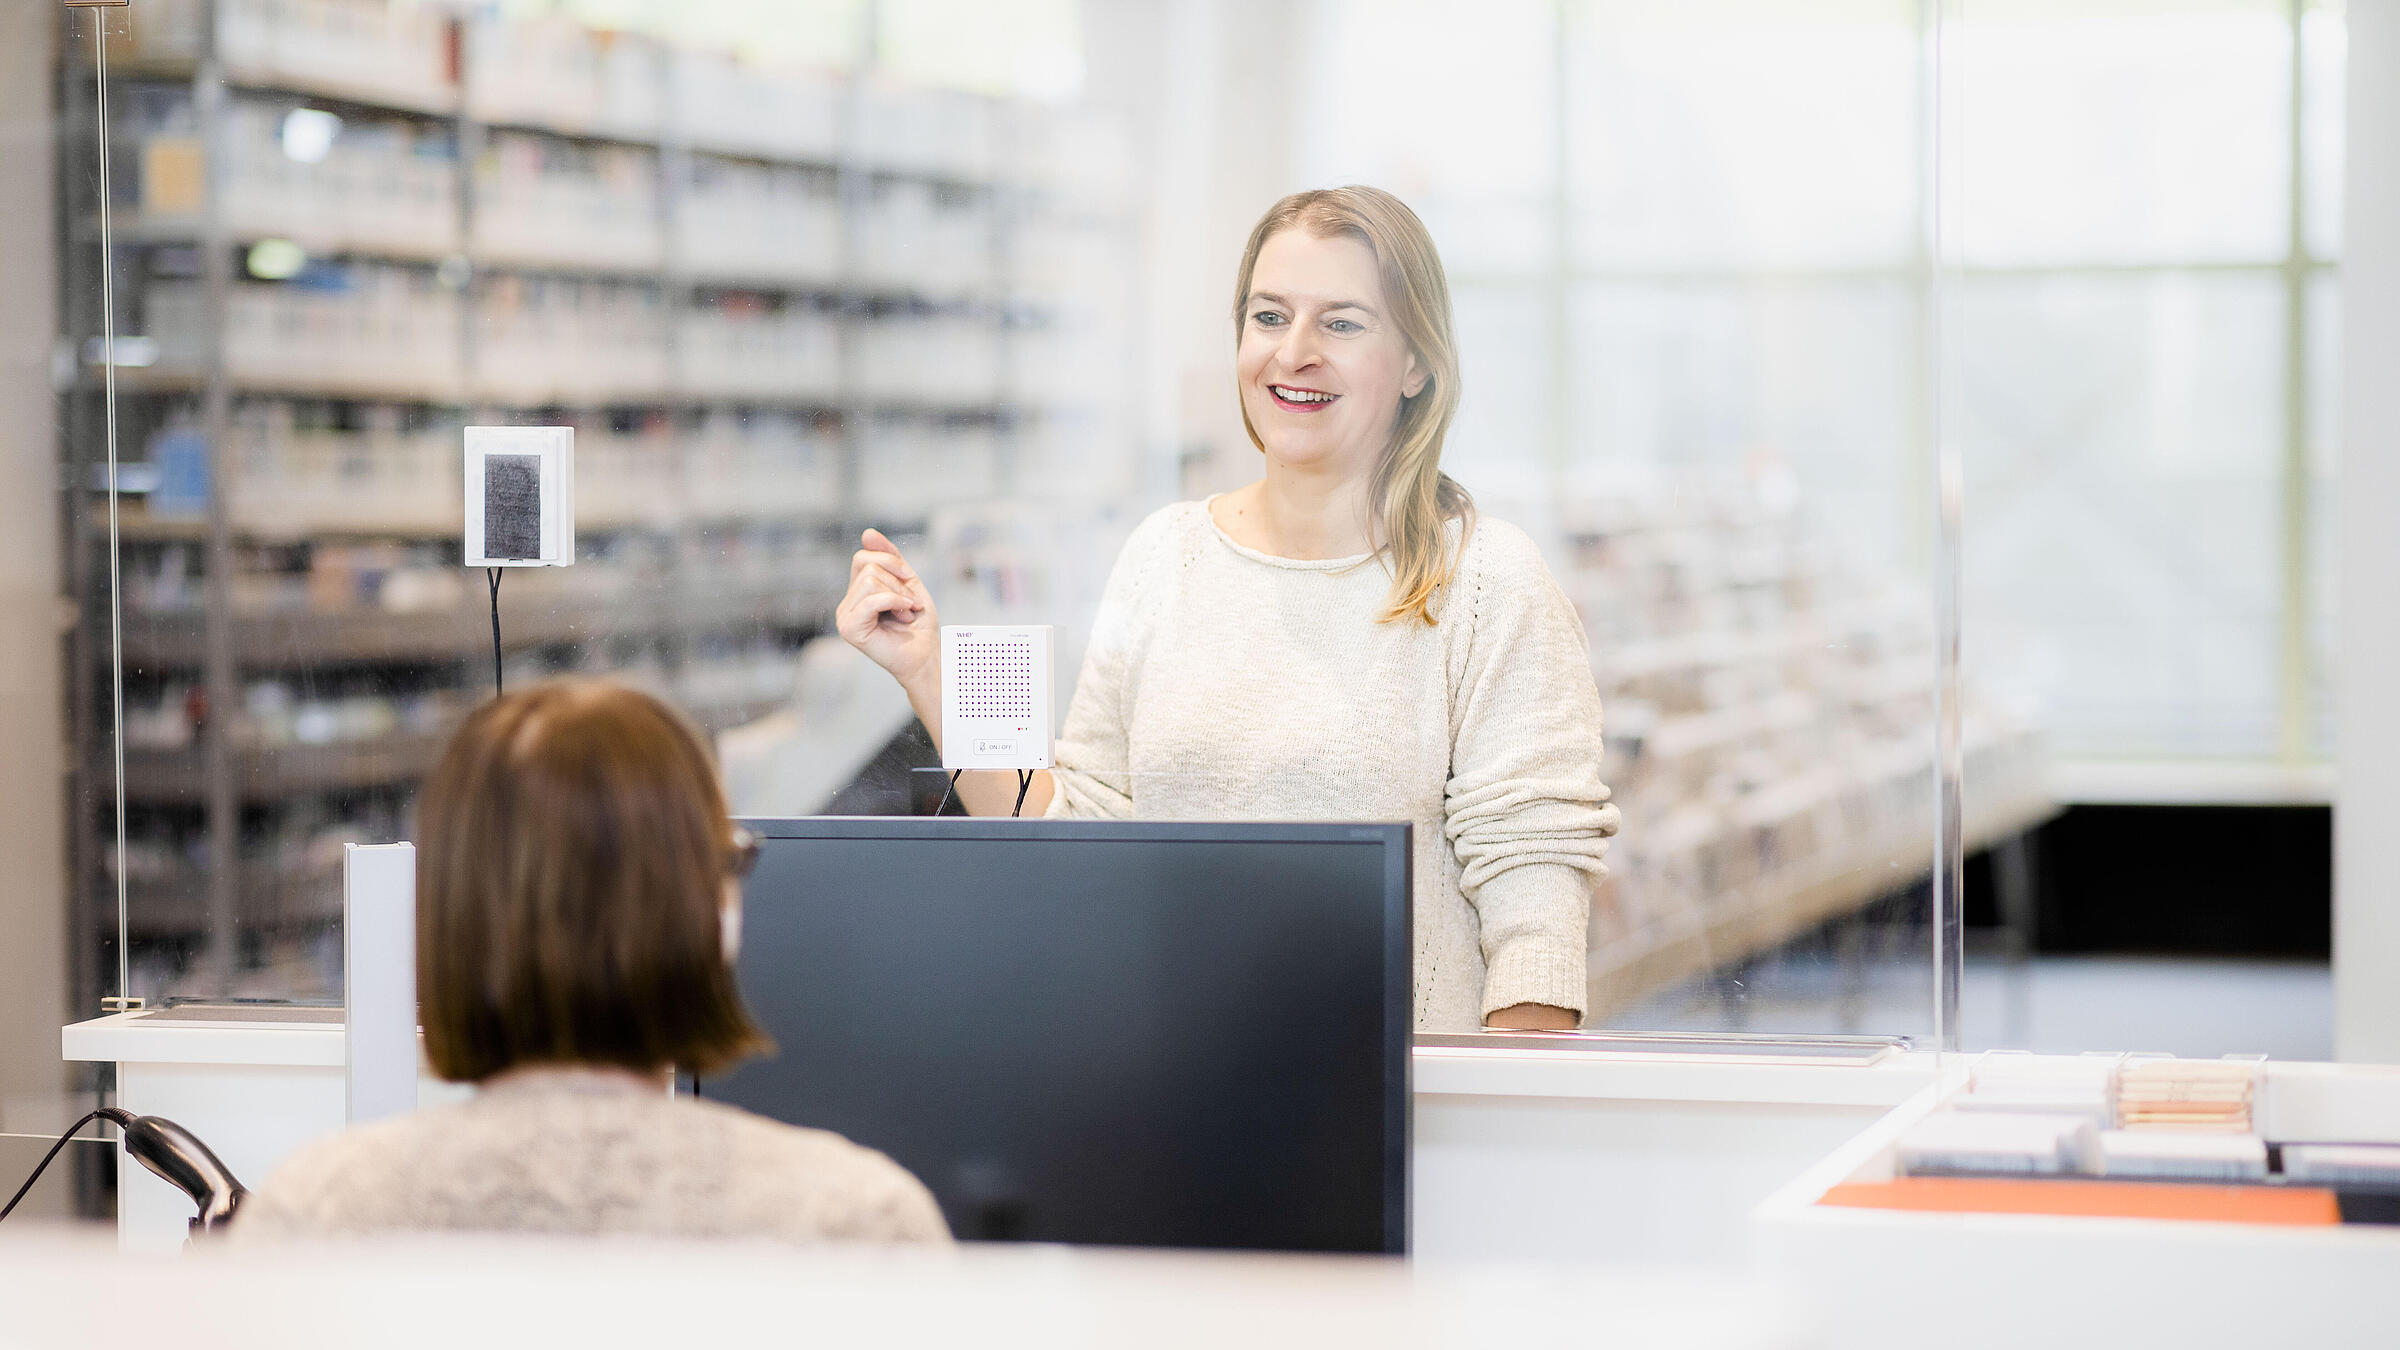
[
  {"x": 32, "y": 715},
  {"x": 2366, "y": 908}
]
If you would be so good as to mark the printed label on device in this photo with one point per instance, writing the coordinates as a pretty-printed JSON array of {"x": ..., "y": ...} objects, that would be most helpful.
[{"x": 995, "y": 747}]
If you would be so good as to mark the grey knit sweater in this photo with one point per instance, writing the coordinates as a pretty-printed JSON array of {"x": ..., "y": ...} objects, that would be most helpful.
[
  {"x": 1223, "y": 683},
  {"x": 569, "y": 1151}
]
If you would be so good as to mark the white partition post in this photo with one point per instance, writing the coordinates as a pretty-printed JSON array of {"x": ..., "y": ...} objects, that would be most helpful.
[
  {"x": 379, "y": 970},
  {"x": 2366, "y": 866}
]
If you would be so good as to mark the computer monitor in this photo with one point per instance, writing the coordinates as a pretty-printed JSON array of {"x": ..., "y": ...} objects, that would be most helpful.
[{"x": 1122, "y": 1033}]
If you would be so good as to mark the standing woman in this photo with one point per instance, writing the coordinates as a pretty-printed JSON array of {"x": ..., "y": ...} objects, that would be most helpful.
[{"x": 1343, "y": 638}]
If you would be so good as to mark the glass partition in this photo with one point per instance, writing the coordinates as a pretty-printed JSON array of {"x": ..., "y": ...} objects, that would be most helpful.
[
  {"x": 62, "y": 955},
  {"x": 1695, "y": 290},
  {"x": 2148, "y": 342},
  {"x": 963, "y": 273}
]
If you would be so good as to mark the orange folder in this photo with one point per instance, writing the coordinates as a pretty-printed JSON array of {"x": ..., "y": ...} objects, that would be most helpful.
[{"x": 2290, "y": 1205}]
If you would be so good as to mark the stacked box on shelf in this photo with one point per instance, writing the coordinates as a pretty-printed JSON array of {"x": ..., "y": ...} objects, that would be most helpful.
[
  {"x": 544, "y": 340},
  {"x": 930, "y": 358},
  {"x": 382, "y": 185},
  {"x": 909, "y": 465},
  {"x": 362, "y": 330},
  {"x": 762, "y": 464},
  {"x": 292, "y": 477},
  {"x": 1072, "y": 241},
  {"x": 628, "y": 478},
  {"x": 742, "y": 346},
  {"x": 925, "y": 240},
  {"x": 554, "y": 73},
  {"x": 726, "y": 104},
  {"x": 545, "y": 202},
  {"x": 743, "y": 223},
  {"x": 374, "y": 51},
  {"x": 927, "y": 132}
]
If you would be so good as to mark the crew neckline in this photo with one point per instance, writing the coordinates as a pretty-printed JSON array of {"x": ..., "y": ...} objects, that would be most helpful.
[
  {"x": 572, "y": 1079},
  {"x": 1270, "y": 559}
]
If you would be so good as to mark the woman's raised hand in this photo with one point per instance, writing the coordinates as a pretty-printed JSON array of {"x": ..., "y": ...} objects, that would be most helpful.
[{"x": 888, "y": 613}]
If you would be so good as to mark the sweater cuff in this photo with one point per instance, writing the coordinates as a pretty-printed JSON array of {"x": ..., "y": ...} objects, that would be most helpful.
[
  {"x": 1535, "y": 925},
  {"x": 1535, "y": 970}
]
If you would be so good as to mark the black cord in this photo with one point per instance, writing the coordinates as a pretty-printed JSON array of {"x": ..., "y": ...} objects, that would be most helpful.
[
  {"x": 494, "y": 574},
  {"x": 1024, "y": 785},
  {"x": 107, "y": 1113},
  {"x": 944, "y": 803}
]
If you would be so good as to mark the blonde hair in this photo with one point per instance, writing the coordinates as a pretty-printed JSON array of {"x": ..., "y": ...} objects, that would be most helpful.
[{"x": 1412, "y": 499}]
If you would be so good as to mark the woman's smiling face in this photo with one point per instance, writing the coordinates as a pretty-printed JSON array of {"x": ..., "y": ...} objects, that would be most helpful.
[{"x": 1322, "y": 366}]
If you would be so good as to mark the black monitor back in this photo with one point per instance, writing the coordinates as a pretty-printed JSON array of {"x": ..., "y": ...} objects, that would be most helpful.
[{"x": 1128, "y": 1033}]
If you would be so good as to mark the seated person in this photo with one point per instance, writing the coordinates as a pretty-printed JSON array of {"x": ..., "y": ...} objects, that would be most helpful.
[{"x": 578, "y": 907}]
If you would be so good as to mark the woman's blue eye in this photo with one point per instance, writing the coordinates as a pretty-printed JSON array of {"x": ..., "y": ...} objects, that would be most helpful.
[
  {"x": 1346, "y": 326},
  {"x": 1266, "y": 318}
]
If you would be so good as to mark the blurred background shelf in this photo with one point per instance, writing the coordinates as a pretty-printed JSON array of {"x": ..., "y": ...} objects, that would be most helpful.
[
  {"x": 776, "y": 303},
  {"x": 267, "y": 773}
]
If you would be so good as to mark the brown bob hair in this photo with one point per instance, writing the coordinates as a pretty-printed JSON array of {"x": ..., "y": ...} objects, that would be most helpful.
[
  {"x": 572, "y": 853},
  {"x": 1412, "y": 499}
]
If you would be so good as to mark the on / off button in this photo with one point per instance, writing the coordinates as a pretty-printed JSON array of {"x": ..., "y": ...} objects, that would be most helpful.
[{"x": 995, "y": 747}]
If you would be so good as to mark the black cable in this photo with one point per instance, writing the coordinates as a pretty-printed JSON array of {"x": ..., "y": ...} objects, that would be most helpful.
[
  {"x": 494, "y": 574},
  {"x": 105, "y": 1112},
  {"x": 944, "y": 803},
  {"x": 1024, "y": 785}
]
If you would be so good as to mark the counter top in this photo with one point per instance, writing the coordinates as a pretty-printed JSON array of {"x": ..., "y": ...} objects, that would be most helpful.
[
  {"x": 142, "y": 1037},
  {"x": 311, "y": 1039},
  {"x": 1662, "y": 1076}
]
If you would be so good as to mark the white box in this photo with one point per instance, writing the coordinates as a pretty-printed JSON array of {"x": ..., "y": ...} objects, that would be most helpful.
[
  {"x": 495, "y": 457},
  {"x": 996, "y": 699}
]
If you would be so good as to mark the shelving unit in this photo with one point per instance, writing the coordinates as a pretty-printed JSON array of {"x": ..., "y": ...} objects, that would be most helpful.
[
  {"x": 773, "y": 303},
  {"x": 1767, "y": 711}
]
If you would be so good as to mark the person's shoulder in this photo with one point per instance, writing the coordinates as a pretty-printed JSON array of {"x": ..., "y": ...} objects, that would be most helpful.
[
  {"x": 346, "y": 1170},
  {"x": 821, "y": 1181},
  {"x": 1167, "y": 527},
  {"x": 1497, "y": 548},
  {"x": 1171, "y": 532}
]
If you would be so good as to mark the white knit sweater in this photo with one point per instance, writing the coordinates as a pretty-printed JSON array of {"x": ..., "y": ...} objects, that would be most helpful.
[
  {"x": 1224, "y": 683},
  {"x": 570, "y": 1151}
]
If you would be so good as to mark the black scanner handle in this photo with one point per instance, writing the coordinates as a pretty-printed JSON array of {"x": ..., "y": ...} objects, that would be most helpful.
[{"x": 185, "y": 1163}]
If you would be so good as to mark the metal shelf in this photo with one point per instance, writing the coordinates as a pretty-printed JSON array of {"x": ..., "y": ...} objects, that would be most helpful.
[
  {"x": 267, "y": 895},
  {"x": 691, "y": 608},
  {"x": 303, "y": 638},
  {"x": 155, "y": 777},
  {"x": 434, "y": 103}
]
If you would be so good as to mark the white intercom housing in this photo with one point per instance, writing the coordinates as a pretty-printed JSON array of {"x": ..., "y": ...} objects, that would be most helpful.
[
  {"x": 996, "y": 698},
  {"x": 520, "y": 507},
  {"x": 379, "y": 979}
]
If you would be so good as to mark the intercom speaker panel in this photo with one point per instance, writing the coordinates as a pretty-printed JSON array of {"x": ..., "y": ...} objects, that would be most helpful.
[
  {"x": 996, "y": 697},
  {"x": 520, "y": 502}
]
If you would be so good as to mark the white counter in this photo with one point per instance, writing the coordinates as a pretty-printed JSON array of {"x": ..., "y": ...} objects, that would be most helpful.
[
  {"x": 253, "y": 1091},
  {"x": 515, "y": 1293},
  {"x": 1898, "y": 1278},
  {"x": 1519, "y": 1154}
]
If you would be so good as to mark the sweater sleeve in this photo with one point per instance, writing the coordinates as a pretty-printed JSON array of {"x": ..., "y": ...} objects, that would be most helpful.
[
  {"x": 1091, "y": 777},
  {"x": 1525, "y": 808}
]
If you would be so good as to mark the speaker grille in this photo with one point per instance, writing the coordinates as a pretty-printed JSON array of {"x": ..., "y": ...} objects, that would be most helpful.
[
  {"x": 995, "y": 679},
  {"x": 512, "y": 506}
]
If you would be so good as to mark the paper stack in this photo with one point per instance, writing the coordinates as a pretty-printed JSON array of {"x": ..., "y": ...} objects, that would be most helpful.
[
  {"x": 2342, "y": 1164},
  {"x": 2045, "y": 1084},
  {"x": 2001, "y": 1142},
  {"x": 2175, "y": 1155},
  {"x": 2187, "y": 1094}
]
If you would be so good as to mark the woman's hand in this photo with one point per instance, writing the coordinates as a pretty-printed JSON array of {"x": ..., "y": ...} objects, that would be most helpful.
[
  {"x": 888, "y": 614},
  {"x": 1530, "y": 1017}
]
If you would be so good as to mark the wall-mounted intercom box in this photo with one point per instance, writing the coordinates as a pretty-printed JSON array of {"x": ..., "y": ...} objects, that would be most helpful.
[{"x": 520, "y": 507}]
